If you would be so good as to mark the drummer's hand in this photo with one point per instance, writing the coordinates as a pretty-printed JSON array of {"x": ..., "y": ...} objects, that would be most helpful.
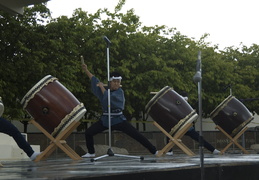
[
  {"x": 100, "y": 84},
  {"x": 84, "y": 67}
]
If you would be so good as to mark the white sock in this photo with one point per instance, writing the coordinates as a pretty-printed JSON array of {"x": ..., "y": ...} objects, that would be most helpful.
[{"x": 34, "y": 155}]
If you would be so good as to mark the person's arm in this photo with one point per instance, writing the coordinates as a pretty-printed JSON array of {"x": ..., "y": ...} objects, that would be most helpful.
[
  {"x": 88, "y": 73},
  {"x": 100, "y": 84}
]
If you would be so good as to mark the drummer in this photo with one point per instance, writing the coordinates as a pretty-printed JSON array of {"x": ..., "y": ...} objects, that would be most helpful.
[
  {"x": 8, "y": 128},
  {"x": 118, "y": 120},
  {"x": 195, "y": 136}
]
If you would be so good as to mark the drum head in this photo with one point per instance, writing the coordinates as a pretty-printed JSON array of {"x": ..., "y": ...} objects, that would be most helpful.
[
  {"x": 156, "y": 97},
  {"x": 36, "y": 88}
]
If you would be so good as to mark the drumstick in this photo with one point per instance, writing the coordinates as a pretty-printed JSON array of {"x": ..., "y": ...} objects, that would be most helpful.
[
  {"x": 153, "y": 92},
  {"x": 82, "y": 59}
]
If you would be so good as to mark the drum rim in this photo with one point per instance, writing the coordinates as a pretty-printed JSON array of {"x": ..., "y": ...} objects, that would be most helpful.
[
  {"x": 221, "y": 106},
  {"x": 241, "y": 126},
  {"x": 154, "y": 99},
  {"x": 75, "y": 115},
  {"x": 35, "y": 89},
  {"x": 188, "y": 119}
]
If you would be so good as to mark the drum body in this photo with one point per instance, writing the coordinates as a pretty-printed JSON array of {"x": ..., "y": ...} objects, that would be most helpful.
[
  {"x": 1, "y": 107},
  {"x": 231, "y": 115},
  {"x": 52, "y": 105},
  {"x": 170, "y": 110}
]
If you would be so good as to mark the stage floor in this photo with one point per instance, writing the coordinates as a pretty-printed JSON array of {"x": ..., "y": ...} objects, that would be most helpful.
[{"x": 229, "y": 166}]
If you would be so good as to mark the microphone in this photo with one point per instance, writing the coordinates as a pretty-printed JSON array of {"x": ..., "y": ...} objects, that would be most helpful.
[
  {"x": 107, "y": 40},
  {"x": 197, "y": 77}
]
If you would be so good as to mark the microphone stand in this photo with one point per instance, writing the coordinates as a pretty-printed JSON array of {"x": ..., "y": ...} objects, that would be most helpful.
[
  {"x": 198, "y": 79},
  {"x": 110, "y": 151}
]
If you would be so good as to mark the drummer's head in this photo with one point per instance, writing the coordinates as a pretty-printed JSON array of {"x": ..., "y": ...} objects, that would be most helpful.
[
  {"x": 115, "y": 80},
  {"x": 184, "y": 95}
]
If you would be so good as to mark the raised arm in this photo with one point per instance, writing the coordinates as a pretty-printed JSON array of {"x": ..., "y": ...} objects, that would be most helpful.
[{"x": 88, "y": 73}]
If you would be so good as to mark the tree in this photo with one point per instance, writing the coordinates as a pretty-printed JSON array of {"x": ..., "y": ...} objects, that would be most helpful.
[{"x": 149, "y": 58}]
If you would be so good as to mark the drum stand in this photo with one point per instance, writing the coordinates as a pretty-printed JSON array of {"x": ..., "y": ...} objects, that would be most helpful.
[
  {"x": 233, "y": 140},
  {"x": 58, "y": 141},
  {"x": 175, "y": 140}
]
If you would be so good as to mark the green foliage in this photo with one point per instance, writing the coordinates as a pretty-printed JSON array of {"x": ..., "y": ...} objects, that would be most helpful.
[{"x": 149, "y": 58}]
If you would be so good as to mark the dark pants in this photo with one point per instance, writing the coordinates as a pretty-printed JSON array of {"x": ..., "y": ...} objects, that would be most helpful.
[
  {"x": 195, "y": 136},
  {"x": 125, "y": 127},
  {"x": 9, "y": 129}
]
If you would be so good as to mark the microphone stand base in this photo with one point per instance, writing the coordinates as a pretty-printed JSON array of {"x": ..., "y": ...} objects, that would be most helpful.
[{"x": 110, "y": 153}]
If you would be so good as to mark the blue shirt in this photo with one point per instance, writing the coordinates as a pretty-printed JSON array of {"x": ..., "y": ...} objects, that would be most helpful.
[{"x": 117, "y": 102}]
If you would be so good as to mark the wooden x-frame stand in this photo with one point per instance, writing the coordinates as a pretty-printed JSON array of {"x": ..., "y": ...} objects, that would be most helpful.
[
  {"x": 233, "y": 140},
  {"x": 175, "y": 140},
  {"x": 58, "y": 141}
]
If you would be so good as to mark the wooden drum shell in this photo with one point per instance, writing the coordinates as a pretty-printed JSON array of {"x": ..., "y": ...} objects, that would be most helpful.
[
  {"x": 231, "y": 115},
  {"x": 52, "y": 105},
  {"x": 170, "y": 110}
]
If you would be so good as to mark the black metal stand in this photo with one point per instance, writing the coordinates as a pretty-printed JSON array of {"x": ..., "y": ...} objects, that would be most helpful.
[{"x": 110, "y": 151}]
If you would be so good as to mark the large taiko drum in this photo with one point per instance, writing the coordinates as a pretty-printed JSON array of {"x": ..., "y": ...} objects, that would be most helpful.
[
  {"x": 231, "y": 115},
  {"x": 52, "y": 105},
  {"x": 170, "y": 110},
  {"x": 1, "y": 107}
]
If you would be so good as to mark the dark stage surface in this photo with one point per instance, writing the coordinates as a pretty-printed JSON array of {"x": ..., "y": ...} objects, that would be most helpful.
[{"x": 179, "y": 166}]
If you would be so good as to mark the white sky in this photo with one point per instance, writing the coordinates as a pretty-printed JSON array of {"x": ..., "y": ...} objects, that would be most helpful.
[{"x": 229, "y": 22}]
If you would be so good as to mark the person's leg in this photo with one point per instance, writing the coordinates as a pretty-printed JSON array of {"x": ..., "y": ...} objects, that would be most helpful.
[
  {"x": 170, "y": 152},
  {"x": 195, "y": 135},
  {"x": 89, "y": 135},
  {"x": 131, "y": 131},
  {"x": 9, "y": 129}
]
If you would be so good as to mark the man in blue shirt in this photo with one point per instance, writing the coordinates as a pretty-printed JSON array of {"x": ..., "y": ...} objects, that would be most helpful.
[{"x": 118, "y": 120}]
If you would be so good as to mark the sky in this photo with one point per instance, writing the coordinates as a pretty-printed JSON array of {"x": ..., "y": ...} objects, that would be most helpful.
[{"x": 229, "y": 22}]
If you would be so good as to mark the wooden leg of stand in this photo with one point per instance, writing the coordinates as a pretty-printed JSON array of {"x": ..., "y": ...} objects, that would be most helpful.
[
  {"x": 179, "y": 135},
  {"x": 74, "y": 155},
  {"x": 224, "y": 132},
  {"x": 233, "y": 140},
  {"x": 167, "y": 147},
  {"x": 58, "y": 142},
  {"x": 50, "y": 148},
  {"x": 184, "y": 148},
  {"x": 176, "y": 140},
  {"x": 46, "y": 153},
  {"x": 64, "y": 134},
  {"x": 236, "y": 143},
  {"x": 42, "y": 129}
]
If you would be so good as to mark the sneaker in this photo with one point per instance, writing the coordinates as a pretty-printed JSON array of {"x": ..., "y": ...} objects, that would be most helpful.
[
  {"x": 156, "y": 153},
  {"x": 170, "y": 153},
  {"x": 34, "y": 155},
  {"x": 88, "y": 155},
  {"x": 216, "y": 152}
]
